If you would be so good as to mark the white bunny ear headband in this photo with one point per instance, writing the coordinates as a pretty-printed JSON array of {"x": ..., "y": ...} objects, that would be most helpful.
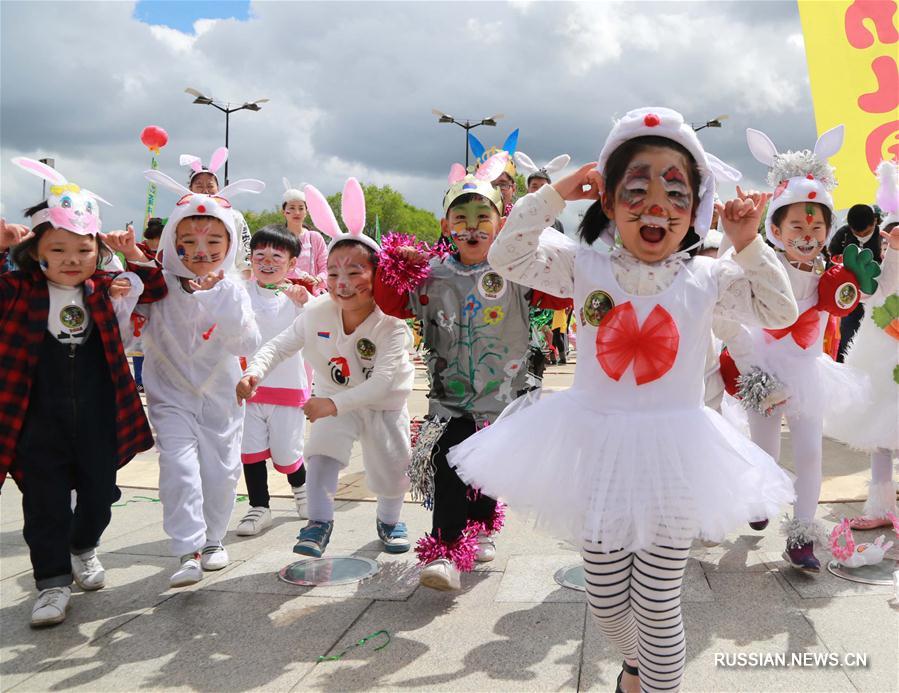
[
  {"x": 480, "y": 182},
  {"x": 352, "y": 210},
  {"x": 291, "y": 193},
  {"x": 216, "y": 161},
  {"x": 531, "y": 170},
  {"x": 888, "y": 192},
  {"x": 803, "y": 176},
  {"x": 193, "y": 204},
  {"x": 665, "y": 122},
  {"x": 69, "y": 206}
]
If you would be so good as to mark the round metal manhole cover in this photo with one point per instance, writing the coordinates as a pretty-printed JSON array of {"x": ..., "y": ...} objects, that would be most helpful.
[
  {"x": 572, "y": 578},
  {"x": 338, "y": 570},
  {"x": 878, "y": 574}
]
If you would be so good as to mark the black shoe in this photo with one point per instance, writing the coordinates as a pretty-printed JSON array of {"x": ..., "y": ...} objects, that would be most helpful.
[{"x": 625, "y": 667}]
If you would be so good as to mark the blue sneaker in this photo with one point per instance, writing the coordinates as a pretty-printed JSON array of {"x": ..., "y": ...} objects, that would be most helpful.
[
  {"x": 394, "y": 537},
  {"x": 313, "y": 538}
]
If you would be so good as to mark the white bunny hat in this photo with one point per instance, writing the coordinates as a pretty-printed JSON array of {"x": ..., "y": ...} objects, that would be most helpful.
[
  {"x": 352, "y": 210},
  {"x": 216, "y": 161},
  {"x": 292, "y": 194},
  {"x": 803, "y": 176},
  {"x": 196, "y": 204},
  {"x": 479, "y": 182},
  {"x": 69, "y": 206},
  {"x": 667, "y": 123},
  {"x": 888, "y": 192},
  {"x": 531, "y": 170}
]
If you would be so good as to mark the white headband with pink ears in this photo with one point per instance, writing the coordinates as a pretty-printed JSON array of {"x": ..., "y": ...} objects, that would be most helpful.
[
  {"x": 352, "y": 210},
  {"x": 216, "y": 161},
  {"x": 69, "y": 206}
]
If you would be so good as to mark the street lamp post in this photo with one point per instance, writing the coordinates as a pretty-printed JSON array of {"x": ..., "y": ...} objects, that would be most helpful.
[
  {"x": 227, "y": 109},
  {"x": 713, "y": 123},
  {"x": 52, "y": 164},
  {"x": 466, "y": 125}
]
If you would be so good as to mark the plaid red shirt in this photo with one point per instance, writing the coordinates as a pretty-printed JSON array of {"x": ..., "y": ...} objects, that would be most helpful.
[{"x": 24, "y": 305}]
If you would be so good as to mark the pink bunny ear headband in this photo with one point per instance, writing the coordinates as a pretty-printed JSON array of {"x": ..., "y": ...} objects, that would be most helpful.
[
  {"x": 803, "y": 176},
  {"x": 216, "y": 161},
  {"x": 69, "y": 206},
  {"x": 480, "y": 182},
  {"x": 667, "y": 123},
  {"x": 352, "y": 210}
]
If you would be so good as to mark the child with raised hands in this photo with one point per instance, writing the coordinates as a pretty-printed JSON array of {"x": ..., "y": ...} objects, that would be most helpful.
[
  {"x": 70, "y": 414},
  {"x": 645, "y": 467},
  {"x": 785, "y": 372},
  {"x": 476, "y": 329},
  {"x": 274, "y": 421},
  {"x": 363, "y": 377},
  {"x": 192, "y": 340}
]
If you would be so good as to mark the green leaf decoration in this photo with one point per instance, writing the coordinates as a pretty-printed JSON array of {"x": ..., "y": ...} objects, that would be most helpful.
[
  {"x": 491, "y": 386},
  {"x": 885, "y": 314},
  {"x": 861, "y": 263},
  {"x": 896, "y": 374},
  {"x": 457, "y": 387}
]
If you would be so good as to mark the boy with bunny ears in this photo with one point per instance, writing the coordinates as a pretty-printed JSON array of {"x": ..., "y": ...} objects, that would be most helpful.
[
  {"x": 475, "y": 325},
  {"x": 363, "y": 377},
  {"x": 192, "y": 340}
]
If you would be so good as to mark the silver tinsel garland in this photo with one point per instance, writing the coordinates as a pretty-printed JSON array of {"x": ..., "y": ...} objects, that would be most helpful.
[
  {"x": 754, "y": 389},
  {"x": 421, "y": 468}
]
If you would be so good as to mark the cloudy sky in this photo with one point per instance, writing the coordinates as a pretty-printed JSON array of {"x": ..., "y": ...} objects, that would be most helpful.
[{"x": 352, "y": 86}]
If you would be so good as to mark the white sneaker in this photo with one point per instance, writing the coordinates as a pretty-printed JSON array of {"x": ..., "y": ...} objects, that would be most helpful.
[
  {"x": 486, "y": 548},
  {"x": 254, "y": 522},
  {"x": 88, "y": 571},
  {"x": 299, "y": 497},
  {"x": 440, "y": 574},
  {"x": 50, "y": 606},
  {"x": 214, "y": 557},
  {"x": 189, "y": 573}
]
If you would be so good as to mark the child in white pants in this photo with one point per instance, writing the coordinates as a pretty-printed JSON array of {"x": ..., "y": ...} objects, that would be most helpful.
[
  {"x": 363, "y": 377},
  {"x": 192, "y": 340}
]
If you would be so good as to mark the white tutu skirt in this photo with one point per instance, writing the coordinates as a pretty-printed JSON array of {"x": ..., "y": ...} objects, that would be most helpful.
[
  {"x": 873, "y": 423},
  {"x": 628, "y": 480}
]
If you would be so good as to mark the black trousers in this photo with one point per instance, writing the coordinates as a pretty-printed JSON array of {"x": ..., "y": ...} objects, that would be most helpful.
[
  {"x": 256, "y": 477},
  {"x": 848, "y": 327},
  {"x": 68, "y": 441},
  {"x": 455, "y": 503}
]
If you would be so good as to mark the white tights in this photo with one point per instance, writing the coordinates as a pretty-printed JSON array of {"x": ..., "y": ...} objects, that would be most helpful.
[{"x": 321, "y": 487}]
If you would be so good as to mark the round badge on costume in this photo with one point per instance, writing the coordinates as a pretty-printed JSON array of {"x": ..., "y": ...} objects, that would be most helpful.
[
  {"x": 491, "y": 286},
  {"x": 598, "y": 303},
  {"x": 366, "y": 348},
  {"x": 72, "y": 317},
  {"x": 846, "y": 295}
]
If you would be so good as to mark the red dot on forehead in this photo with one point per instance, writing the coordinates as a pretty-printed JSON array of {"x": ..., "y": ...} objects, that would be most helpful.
[
  {"x": 650, "y": 120},
  {"x": 809, "y": 218}
]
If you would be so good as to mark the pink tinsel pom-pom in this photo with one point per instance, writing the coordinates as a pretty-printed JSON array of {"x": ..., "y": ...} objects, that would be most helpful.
[
  {"x": 842, "y": 553},
  {"x": 461, "y": 553},
  {"x": 400, "y": 272}
]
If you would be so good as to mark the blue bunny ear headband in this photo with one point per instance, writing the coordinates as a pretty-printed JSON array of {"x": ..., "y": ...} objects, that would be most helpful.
[{"x": 481, "y": 153}]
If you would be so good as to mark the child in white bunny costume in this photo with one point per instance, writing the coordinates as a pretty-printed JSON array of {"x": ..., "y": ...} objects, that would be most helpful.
[
  {"x": 785, "y": 372},
  {"x": 192, "y": 340},
  {"x": 363, "y": 376}
]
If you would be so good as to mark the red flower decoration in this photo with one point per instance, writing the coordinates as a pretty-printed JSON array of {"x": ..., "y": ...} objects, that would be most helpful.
[
  {"x": 804, "y": 331},
  {"x": 651, "y": 120},
  {"x": 652, "y": 348}
]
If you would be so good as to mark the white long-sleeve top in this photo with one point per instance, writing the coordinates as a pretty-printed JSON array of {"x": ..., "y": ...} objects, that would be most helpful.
[
  {"x": 367, "y": 369},
  {"x": 752, "y": 285},
  {"x": 192, "y": 342},
  {"x": 275, "y": 312}
]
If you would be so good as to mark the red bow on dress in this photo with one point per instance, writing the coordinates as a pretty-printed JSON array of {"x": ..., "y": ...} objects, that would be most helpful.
[
  {"x": 804, "y": 331},
  {"x": 652, "y": 348}
]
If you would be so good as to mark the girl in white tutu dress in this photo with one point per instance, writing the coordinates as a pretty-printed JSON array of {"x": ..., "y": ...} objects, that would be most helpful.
[
  {"x": 635, "y": 465},
  {"x": 875, "y": 351},
  {"x": 785, "y": 373}
]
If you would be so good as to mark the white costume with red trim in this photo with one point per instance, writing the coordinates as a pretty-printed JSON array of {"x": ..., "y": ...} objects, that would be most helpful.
[
  {"x": 643, "y": 461},
  {"x": 274, "y": 419}
]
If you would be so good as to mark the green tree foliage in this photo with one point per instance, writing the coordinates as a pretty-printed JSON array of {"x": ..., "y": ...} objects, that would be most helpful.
[{"x": 385, "y": 204}]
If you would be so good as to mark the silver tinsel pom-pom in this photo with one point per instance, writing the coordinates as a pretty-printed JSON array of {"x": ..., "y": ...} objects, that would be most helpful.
[
  {"x": 800, "y": 164},
  {"x": 799, "y": 532},
  {"x": 759, "y": 391},
  {"x": 426, "y": 433}
]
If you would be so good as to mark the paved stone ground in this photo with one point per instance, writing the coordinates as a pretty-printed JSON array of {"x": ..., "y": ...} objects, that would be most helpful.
[{"x": 511, "y": 628}]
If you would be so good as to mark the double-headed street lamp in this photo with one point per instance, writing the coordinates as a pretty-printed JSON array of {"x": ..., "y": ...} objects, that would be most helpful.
[
  {"x": 227, "y": 109},
  {"x": 713, "y": 123},
  {"x": 466, "y": 125}
]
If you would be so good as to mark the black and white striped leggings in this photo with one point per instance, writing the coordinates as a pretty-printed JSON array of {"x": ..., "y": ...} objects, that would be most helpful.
[{"x": 635, "y": 598}]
